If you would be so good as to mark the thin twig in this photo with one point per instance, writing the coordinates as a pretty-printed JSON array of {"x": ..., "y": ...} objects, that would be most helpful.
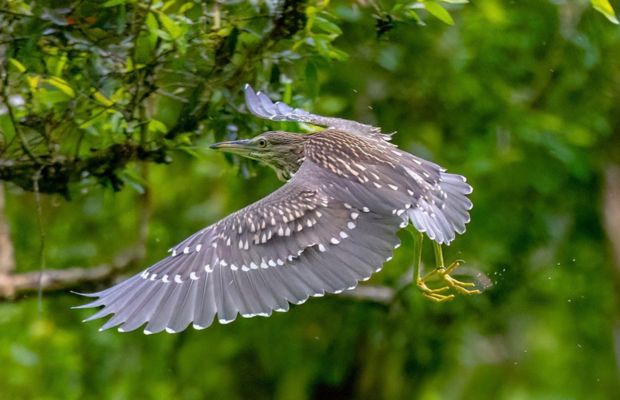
[
  {"x": 42, "y": 265},
  {"x": 6, "y": 99}
]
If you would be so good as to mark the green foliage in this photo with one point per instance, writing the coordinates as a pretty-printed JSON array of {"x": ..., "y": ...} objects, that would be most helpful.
[
  {"x": 605, "y": 8},
  {"x": 521, "y": 97}
]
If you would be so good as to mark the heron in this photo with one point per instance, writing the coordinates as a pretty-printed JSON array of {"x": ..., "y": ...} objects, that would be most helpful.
[{"x": 334, "y": 223}]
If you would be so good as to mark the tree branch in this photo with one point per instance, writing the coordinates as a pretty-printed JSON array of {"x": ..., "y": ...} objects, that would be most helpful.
[
  {"x": 14, "y": 286},
  {"x": 7, "y": 255},
  {"x": 56, "y": 175},
  {"x": 375, "y": 294},
  {"x": 611, "y": 210}
]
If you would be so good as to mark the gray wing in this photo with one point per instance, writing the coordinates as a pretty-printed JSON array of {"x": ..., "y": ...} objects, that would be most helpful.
[
  {"x": 296, "y": 243},
  {"x": 261, "y": 105},
  {"x": 376, "y": 175}
]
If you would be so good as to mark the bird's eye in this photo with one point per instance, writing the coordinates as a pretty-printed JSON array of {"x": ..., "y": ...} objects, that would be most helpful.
[{"x": 262, "y": 143}]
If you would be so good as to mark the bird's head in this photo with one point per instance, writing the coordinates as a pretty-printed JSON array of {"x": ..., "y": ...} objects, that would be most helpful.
[{"x": 282, "y": 151}]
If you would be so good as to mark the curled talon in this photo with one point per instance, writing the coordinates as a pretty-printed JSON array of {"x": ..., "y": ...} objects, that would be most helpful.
[
  {"x": 433, "y": 294},
  {"x": 461, "y": 287},
  {"x": 422, "y": 285},
  {"x": 438, "y": 298},
  {"x": 458, "y": 285},
  {"x": 439, "y": 273}
]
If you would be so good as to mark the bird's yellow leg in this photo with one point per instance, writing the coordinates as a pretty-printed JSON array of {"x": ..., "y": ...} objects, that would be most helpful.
[
  {"x": 432, "y": 294},
  {"x": 444, "y": 272}
]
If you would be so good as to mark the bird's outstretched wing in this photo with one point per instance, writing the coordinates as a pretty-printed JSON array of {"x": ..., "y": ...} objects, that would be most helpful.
[
  {"x": 261, "y": 105},
  {"x": 397, "y": 182},
  {"x": 296, "y": 243}
]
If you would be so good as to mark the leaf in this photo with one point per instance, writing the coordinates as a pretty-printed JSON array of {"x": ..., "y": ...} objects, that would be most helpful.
[
  {"x": 185, "y": 8},
  {"x": 455, "y": 1},
  {"x": 33, "y": 82},
  {"x": 128, "y": 65},
  {"x": 102, "y": 99},
  {"x": 327, "y": 26},
  {"x": 157, "y": 126},
  {"x": 134, "y": 180},
  {"x": 169, "y": 25},
  {"x": 112, "y": 3},
  {"x": 191, "y": 151},
  {"x": 51, "y": 97},
  {"x": 338, "y": 55},
  {"x": 60, "y": 64},
  {"x": 606, "y": 9},
  {"x": 439, "y": 12},
  {"x": 20, "y": 67},
  {"x": 61, "y": 85}
]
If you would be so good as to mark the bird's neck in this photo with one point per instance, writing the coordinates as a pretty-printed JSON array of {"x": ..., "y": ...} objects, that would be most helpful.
[{"x": 287, "y": 165}]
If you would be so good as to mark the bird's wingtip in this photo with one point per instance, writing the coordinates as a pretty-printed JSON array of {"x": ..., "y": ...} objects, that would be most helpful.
[{"x": 83, "y": 294}]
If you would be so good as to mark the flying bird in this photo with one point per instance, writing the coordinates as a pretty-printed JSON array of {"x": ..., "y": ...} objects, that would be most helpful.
[{"x": 332, "y": 224}]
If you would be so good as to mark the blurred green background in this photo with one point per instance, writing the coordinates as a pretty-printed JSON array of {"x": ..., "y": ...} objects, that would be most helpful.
[{"x": 522, "y": 97}]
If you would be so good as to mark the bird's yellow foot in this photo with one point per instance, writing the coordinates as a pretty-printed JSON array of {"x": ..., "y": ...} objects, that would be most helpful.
[
  {"x": 443, "y": 273},
  {"x": 434, "y": 294},
  {"x": 457, "y": 285}
]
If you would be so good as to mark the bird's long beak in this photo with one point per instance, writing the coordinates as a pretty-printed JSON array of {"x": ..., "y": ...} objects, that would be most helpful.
[{"x": 233, "y": 146}]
